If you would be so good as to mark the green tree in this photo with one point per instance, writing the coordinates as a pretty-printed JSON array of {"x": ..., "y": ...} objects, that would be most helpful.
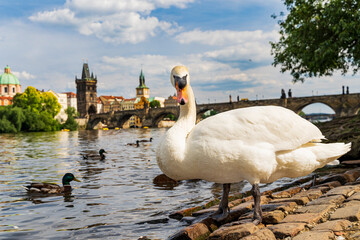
[
  {"x": 50, "y": 104},
  {"x": 155, "y": 104},
  {"x": 318, "y": 37},
  {"x": 70, "y": 122},
  {"x": 37, "y": 101},
  {"x": 31, "y": 111}
]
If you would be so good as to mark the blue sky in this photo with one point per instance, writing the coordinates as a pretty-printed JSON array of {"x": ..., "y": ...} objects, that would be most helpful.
[{"x": 224, "y": 44}]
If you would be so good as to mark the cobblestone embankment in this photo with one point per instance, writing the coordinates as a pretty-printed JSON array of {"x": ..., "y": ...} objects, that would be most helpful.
[{"x": 328, "y": 210}]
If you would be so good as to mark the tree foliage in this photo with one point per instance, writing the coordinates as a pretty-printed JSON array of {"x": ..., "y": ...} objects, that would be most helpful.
[
  {"x": 155, "y": 104},
  {"x": 37, "y": 101},
  {"x": 318, "y": 37},
  {"x": 70, "y": 122},
  {"x": 31, "y": 111}
]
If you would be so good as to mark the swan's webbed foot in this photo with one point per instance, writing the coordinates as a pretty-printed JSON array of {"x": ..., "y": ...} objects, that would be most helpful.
[
  {"x": 224, "y": 211},
  {"x": 221, "y": 214},
  {"x": 255, "y": 191}
]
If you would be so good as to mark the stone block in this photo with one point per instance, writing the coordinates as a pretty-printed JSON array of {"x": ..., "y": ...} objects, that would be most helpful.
[
  {"x": 319, "y": 209},
  {"x": 262, "y": 234},
  {"x": 195, "y": 231},
  {"x": 308, "y": 218},
  {"x": 284, "y": 230},
  {"x": 310, "y": 194},
  {"x": 287, "y": 207},
  {"x": 235, "y": 203},
  {"x": 245, "y": 205},
  {"x": 351, "y": 203},
  {"x": 312, "y": 235},
  {"x": 233, "y": 232},
  {"x": 338, "y": 177},
  {"x": 273, "y": 217},
  {"x": 355, "y": 197},
  {"x": 354, "y": 172},
  {"x": 205, "y": 211},
  {"x": 346, "y": 191},
  {"x": 286, "y": 193},
  {"x": 335, "y": 226},
  {"x": 328, "y": 185},
  {"x": 351, "y": 213},
  {"x": 336, "y": 199},
  {"x": 297, "y": 200}
]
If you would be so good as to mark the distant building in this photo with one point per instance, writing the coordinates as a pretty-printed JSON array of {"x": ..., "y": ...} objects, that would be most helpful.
[
  {"x": 142, "y": 90},
  {"x": 110, "y": 103},
  {"x": 86, "y": 92},
  {"x": 5, "y": 101},
  {"x": 62, "y": 99},
  {"x": 71, "y": 99},
  {"x": 99, "y": 106},
  {"x": 171, "y": 101},
  {"x": 129, "y": 104},
  {"x": 9, "y": 87}
]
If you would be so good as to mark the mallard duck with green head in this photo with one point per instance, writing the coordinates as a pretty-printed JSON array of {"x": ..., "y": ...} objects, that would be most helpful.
[
  {"x": 51, "y": 188},
  {"x": 101, "y": 155}
]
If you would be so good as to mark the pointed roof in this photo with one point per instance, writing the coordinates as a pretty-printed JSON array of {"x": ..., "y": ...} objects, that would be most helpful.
[
  {"x": 85, "y": 72},
  {"x": 142, "y": 80}
]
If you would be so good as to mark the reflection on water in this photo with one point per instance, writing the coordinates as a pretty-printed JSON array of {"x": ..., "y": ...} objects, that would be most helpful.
[{"x": 116, "y": 199}]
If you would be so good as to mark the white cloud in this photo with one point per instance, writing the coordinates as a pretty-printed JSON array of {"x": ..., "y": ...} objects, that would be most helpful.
[
  {"x": 232, "y": 45},
  {"x": 60, "y": 16},
  {"x": 225, "y": 37},
  {"x": 110, "y": 6},
  {"x": 113, "y": 21},
  {"x": 122, "y": 28},
  {"x": 23, "y": 75}
]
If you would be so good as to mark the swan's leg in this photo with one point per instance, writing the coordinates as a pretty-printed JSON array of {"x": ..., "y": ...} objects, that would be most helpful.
[
  {"x": 223, "y": 212},
  {"x": 255, "y": 191},
  {"x": 314, "y": 180}
]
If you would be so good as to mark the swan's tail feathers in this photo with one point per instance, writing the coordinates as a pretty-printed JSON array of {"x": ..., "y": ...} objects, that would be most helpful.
[{"x": 328, "y": 153}]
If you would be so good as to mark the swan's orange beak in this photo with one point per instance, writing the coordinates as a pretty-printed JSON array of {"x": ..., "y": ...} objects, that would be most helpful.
[{"x": 182, "y": 97}]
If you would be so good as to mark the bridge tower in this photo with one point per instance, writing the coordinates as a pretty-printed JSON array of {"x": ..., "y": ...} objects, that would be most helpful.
[{"x": 86, "y": 92}]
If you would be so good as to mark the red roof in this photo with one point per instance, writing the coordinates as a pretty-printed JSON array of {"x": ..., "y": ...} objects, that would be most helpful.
[
  {"x": 70, "y": 94},
  {"x": 8, "y": 98},
  {"x": 113, "y": 97},
  {"x": 129, "y": 99}
]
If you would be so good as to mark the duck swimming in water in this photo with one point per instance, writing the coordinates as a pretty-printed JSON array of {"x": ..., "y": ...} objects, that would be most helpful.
[
  {"x": 145, "y": 140},
  {"x": 259, "y": 144},
  {"x": 137, "y": 144},
  {"x": 50, "y": 188},
  {"x": 101, "y": 155}
]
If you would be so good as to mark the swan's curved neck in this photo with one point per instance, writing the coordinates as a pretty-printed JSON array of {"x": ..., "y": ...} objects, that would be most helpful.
[{"x": 187, "y": 118}]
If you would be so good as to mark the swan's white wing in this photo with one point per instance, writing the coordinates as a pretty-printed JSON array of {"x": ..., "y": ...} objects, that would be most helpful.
[{"x": 278, "y": 126}]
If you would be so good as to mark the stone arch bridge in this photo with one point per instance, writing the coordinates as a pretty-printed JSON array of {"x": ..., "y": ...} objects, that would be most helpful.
[{"x": 343, "y": 105}]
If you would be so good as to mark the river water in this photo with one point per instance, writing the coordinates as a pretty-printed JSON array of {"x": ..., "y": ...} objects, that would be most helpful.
[{"x": 116, "y": 198}]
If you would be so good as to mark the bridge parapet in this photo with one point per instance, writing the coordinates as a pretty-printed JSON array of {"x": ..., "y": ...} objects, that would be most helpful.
[{"x": 343, "y": 105}]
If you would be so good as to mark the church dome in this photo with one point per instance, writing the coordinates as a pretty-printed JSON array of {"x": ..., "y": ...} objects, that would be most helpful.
[{"x": 8, "y": 78}]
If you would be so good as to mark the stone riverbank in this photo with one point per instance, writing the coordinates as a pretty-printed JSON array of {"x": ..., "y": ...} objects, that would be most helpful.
[{"x": 328, "y": 210}]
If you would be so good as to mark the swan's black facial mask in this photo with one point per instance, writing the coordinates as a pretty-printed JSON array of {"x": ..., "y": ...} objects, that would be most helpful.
[{"x": 180, "y": 82}]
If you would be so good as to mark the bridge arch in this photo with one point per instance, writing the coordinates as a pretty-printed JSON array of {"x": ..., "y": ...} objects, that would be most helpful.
[
  {"x": 160, "y": 116},
  {"x": 301, "y": 107},
  {"x": 92, "y": 123},
  {"x": 123, "y": 120}
]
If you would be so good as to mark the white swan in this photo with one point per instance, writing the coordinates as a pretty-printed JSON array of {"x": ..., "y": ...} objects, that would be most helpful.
[{"x": 258, "y": 144}]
